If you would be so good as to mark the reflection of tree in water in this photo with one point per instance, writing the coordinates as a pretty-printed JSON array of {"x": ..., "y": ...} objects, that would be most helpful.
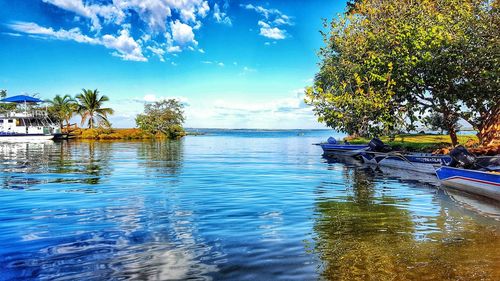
[
  {"x": 163, "y": 157},
  {"x": 369, "y": 238},
  {"x": 90, "y": 158},
  {"x": 95, "y": 160}
]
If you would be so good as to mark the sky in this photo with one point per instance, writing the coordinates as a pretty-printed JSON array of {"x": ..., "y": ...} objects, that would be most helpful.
[{"x": 233, "y": 64}]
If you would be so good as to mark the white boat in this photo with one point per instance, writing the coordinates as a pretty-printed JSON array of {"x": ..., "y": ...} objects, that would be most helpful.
[
  {"x": 419, "y": 162},
  {"x": 27, "y": 124}
]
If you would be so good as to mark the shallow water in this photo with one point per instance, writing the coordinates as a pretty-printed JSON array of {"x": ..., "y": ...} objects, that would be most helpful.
[{"x": 232, "y": 205}]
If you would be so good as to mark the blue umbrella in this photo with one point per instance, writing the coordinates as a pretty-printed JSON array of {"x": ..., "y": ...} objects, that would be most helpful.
[{"x": 21, "y": 99}]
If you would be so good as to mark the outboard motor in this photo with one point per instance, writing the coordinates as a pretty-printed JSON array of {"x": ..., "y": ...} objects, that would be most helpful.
[
  {"x": 378, "y": 146},
  {"x": 332, "y": 140},
  {"x": 461, "y": 157}
]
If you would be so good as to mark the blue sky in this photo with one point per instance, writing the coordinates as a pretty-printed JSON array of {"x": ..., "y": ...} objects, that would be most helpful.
[{"x": 235, "y": 64}]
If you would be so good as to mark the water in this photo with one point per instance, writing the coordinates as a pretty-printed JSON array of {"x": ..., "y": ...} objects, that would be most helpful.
[{"x": 231, "y": 205}]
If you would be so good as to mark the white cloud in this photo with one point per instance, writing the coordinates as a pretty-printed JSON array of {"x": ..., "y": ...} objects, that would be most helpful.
[
  {"x": 182, "y": 33},
  {"x": 174, "y": 49},
  {"x": 127, "y": 48},
  {"x": 73, "y": 34},
  {"x": 271, "y": 32},
  {"x": 158, "y": 51},
  {"x": 220, "y": 16},
  {"x": 92, "y": 12},
  {"x": 203, "y": 9},
  {"x": 271, "y": 19},
  {"x": 218, "y": 63},
  {"x": 149, "y": 98},
  {"x": 169, "y": 24},
  {"x": 288, "y": 112},
  {"x": 248, "y": 69}
]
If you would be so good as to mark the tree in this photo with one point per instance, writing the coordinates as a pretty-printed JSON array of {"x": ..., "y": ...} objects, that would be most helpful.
[
  {"x": 437, "y": 122},
  {"x": 90, "y": 107},
  {"x": 62, "y": 108},
  {"x": 5, "y": 106},
  {"x": 388, "y": 63},
  {"x": 165, "y": 117}
]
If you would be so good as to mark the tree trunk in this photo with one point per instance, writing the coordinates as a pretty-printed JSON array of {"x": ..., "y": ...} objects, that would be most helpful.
[
  {"x": 450, "y": 125},
  {"x": 453, "y": 135},
  {"x": 489, "y": 131}
]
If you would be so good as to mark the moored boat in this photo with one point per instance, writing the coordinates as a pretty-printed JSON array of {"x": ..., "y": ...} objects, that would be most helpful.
[
  {"x": 381, "y": 154},
  {"x": 485, "y": 183},
  {"x": 30, "y": 124},
  {"x": 332, "y": 148}
]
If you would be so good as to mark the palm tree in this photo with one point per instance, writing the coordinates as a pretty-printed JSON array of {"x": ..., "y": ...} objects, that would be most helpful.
[
  {"x": 90, "y": 107},
  {"x": 63, "y": 108}
]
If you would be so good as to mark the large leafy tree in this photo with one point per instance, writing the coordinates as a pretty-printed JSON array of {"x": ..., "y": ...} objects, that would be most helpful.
[
  {"x": 91, "y": 108},
  {"x": 163, "y": 117},
  {"x": 387, "y": 63},
  {"x": 62, "y": 108}
]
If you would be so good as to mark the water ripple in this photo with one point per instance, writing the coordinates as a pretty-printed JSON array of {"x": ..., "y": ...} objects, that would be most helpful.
[{"x": 231, "y": 207}]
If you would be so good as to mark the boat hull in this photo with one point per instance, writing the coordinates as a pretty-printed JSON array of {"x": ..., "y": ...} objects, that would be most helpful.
[
  {"x": 343, "y": 150},
  {"x": 471, "y": 181},
  {"x": 416, "y": 162},
  {"x": 27, "y": 137}
]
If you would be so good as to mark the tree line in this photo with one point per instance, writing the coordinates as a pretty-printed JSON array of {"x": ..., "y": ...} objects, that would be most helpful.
[{"x": 388, "y": 66}]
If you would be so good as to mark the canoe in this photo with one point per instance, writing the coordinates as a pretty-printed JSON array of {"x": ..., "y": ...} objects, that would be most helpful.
[
  {"x": 420, "y": 162},
  {"x": 342, "y": 149},
  {"x": 473, "y": 181}
]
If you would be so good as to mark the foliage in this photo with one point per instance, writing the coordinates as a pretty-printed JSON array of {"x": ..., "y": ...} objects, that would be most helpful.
[
  {"x": 422, "y": 143},
  {"x": 387, "y": 63},
  {"x": 163, "y": 117},
  {"x": 437, "y": 122},
  {"x": 90, "y": 107},
  {"x": 111, "y": 134},
  {"x": 62, "y": 108},
  {"x": 4, "y": 107}
]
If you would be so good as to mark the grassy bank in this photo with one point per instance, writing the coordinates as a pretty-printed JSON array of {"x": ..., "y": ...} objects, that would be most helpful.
[
  {"x": 111, "y": 134},
  {"x": 422, "y": 143},
  {"x": 114, "y": 134}
]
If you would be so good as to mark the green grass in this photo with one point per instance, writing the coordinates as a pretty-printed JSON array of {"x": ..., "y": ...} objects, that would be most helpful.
[{"x": 420, "y": 143}]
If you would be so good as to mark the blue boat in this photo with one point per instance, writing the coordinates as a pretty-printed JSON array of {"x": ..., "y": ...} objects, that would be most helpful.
[
  {"x": 332, "y": 148},
  {"x": 485, "y": 183}
]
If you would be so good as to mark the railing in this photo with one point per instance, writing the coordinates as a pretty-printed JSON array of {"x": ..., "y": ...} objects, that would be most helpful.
[
  {"x": 31, "y": 113},
  {"x": 69, "y": 128}
]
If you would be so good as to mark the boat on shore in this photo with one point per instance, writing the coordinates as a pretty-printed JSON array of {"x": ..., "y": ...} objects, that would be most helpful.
[
  {"x": 485, "y": 183},
  {"x": 29, "y": 124}
]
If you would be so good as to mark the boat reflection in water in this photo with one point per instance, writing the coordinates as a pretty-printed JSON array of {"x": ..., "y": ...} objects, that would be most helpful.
[{"x": 372, "y": 234}]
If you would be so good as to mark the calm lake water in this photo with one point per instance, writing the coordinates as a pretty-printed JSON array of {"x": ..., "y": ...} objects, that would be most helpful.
[{"x": 232, "y": 205}]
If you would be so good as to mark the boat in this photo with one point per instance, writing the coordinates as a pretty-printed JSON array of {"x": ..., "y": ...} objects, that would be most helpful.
[
  {"x": 332, "y": 148},
  {"x": 419, "y": 162},
  {"x": 29, "y": 124},
  {"x": 381, "y": 154},
  {"x": 485, "y": 183}
]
